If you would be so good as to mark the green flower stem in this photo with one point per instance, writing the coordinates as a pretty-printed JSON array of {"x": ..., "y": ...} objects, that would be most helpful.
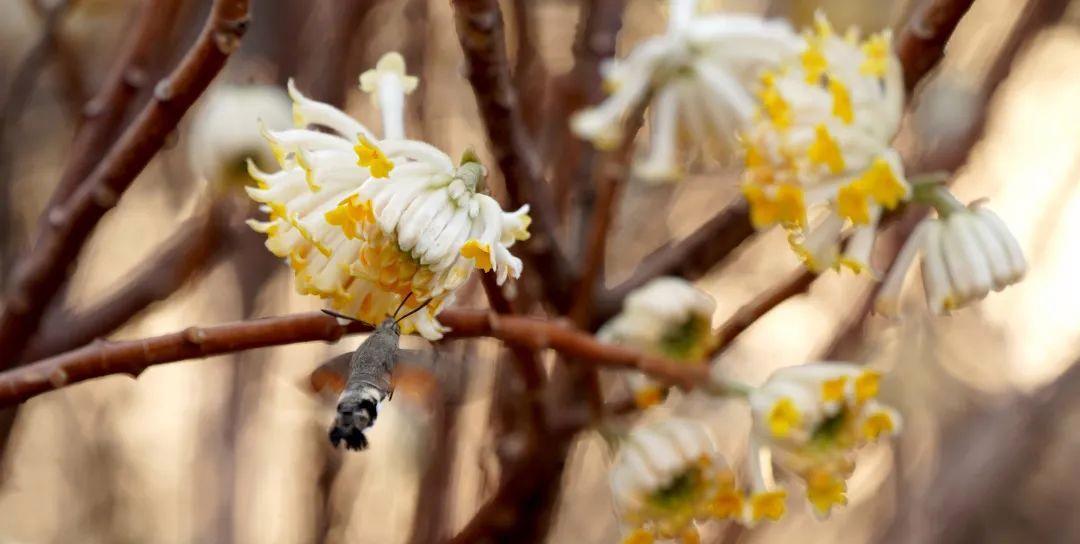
[
  {"x": 929, "y": 190},
  {"x": 724, "y": 387}
]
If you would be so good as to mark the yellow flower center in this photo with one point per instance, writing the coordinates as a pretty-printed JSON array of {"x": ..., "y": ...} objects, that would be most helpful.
[
  {"x": 833, "y": 390},
  {"x": 783, "y": 418},
  {"x": 852, "y": 203},
  {"x": 768, "y": 505},
  {"x": 867, "y": 385},
  {"x": 841, "y": 101},
  {"x": 825, "y": 490},
  {"x": 824, "y": 150},
  {"x": 350, "y": 214},
  {"x": 878, "y": 424},
  {"x": 371, "y": 157},
  {"x": 479, "y": 252},
  {"x": 881, "y": 183}
]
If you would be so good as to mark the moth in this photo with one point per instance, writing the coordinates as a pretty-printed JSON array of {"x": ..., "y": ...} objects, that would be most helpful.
[{"x": 368, "y": 380}]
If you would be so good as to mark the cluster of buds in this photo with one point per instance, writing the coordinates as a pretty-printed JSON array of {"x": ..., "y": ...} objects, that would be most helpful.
[{"x": 367, "y": 223}]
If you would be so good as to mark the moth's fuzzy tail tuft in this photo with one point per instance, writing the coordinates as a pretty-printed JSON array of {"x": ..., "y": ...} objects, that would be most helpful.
[{"x": 352, "y": 419}]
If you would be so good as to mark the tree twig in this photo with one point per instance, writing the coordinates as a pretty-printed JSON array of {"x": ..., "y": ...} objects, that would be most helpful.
[
  {"x": 480, "y": 31},
  {"x": 133, "y": 356},
  {"x": 39, "y": 276},
  {"x": 797, "y": 283},
  {"x": 183, "y": 256},
  {"x": 921, "y": 43}
]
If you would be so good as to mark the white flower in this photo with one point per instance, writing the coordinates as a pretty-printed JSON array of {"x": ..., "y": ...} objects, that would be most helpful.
[
  {"x": 964, "y": 256},
  {"x": 367, "y": 223},
  {"x": 225, "y": 132},
  {"x": 697, "y": 73},
  {"x": 811, "y": 418},
  {"x": 668, "y": 474},
  {"x": 821, "y": 143},
  {"x": 668, "y": 317}
]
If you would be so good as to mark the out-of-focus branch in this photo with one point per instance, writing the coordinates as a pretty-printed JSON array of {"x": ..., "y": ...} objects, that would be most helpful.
[
  {"x": 691, "y": 257},
  {"x": 103, "y": 116},
  {"x": 797, "y": 283},
  {"x": 133, "y": 356},
  {"x": 598, "y": 27},
  {"x": 530, "y": 74},
  {"x": 532, "y": 372},
  {"x": 921, "y": 43},
  {"x": 182, "y": 257},
  {"x": 327, "y": 39},
  {"x": 480, "y": 30},
  {"x": 39, "y": 276}
]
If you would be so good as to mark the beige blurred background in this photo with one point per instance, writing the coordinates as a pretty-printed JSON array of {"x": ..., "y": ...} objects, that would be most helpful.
[{"x": 233, "y": 449}]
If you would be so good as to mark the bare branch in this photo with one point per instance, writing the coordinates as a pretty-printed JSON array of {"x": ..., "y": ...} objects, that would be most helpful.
[
  {"x": 921, "y": 43},
  {"x": 39, "y": 276},
  {"x": 182, "y": 257},
  {"x": 480, "y": 30},
  {"x": 133, "y": 356},
  {"x": 797, "y": 283}
]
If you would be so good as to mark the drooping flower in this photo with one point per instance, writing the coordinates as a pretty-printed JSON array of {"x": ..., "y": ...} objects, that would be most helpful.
[
  {"x": 668, "y": 475},
  {"x": 367, "y": 223},
  {"x": 818, "y": 158},
  {"x": 811, "y": 419},
  {"x": 698, "y": 74},
  {"x": 964, "y": 256},
  {"x": 225, "y": 132},
  {"x": 668, "y": 317}
]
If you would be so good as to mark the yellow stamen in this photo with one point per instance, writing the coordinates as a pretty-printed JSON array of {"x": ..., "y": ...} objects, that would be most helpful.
[
  {"x": 639, "y": 536},
  {"x": 522, "y": 233},
  {"x": 822, "y": 27},
  {"x": 783, "y": 418},
  {"x": 833, "y": 390},
  {"x": 851, "y": 203},
  {"x": 881, "y": 183},
  {"x": 768, "y": 505},
  {"x": 790, "y": 204},
  {"x": 825, "y": 491},
  {"x": 773, "y": 103},
  {"x": 878, "y": 424},
  {"x": 876, "y": 49},
  {"x": 752, "y": 155},
  {"x": 727, "y": 504},
  {"x": 813, "y": 63},
  {"x": 648, "y": 396},
  {"x": 690, "y": 535},
  {"x": 371, "y": 157},
  {"x": 867, "y": 385},
  {"x": 763, "y": 212},
  {"x": 479, "y": 252},
  {"x": 841, "y": 101},
  {"x": 824, "y": 150}
]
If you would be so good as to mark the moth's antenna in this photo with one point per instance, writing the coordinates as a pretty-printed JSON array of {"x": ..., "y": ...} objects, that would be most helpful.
[
  {"x": 343, "y": 316},
  {"x": 413, "y": 311},
  {"x": 403, "y": 301}
]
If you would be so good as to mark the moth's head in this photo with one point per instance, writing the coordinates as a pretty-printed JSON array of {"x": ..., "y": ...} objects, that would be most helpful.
[{"x": 389, "y": 325}]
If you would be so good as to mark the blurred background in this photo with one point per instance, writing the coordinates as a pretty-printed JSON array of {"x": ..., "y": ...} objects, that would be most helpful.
[{"x": 234, "y": 449}]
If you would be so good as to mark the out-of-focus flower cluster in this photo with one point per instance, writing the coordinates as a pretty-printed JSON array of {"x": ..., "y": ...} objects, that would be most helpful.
[{"x": 368, "y": 222}]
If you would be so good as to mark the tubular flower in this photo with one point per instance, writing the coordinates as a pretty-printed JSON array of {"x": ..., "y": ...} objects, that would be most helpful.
[
  {"x": 811, "y": 418},
  {"x": 225, "y": 133},
  {"x": 964, "y": 256},
  {"x": 668, "y": 317},
  {"x": 696, "y": 76},
  {"x": 818, "y": 157},
  {"x": 668, "y": 475},
  {"x": 367, "y": 223}
]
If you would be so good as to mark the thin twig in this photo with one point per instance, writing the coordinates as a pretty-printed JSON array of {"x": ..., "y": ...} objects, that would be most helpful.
[
  {"x": 133, "y": 356},
  {"x": 480, "y": 30},
  {"x": 528, "y": 364},
  {"x": 182, "y": 257},
  {"x": 921, "y": 42},
  {"x": 40, "y": 274},
  {"x": 797, "y": 283}
]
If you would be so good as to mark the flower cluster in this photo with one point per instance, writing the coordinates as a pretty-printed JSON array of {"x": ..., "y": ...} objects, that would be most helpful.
[
  {"x": 696, "y": 76},
  {"x": 965, "y": 254},
  {"x": 818, "y": 157},
  {"x": 367, "y": 223},
  {"x": 811, "y": 418},
  {"x": 669, "y": 475},
  {"x": 668, "y": 317}
]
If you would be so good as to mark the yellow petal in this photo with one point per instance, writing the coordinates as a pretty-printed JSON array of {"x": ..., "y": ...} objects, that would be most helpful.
[{"x": 479, "y": 252}]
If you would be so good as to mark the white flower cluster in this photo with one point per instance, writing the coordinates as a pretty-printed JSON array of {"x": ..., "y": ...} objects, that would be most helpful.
[{"x": 367, "y": 222}]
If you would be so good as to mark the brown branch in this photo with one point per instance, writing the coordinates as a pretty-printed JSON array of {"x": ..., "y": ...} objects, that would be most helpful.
[
  {"x": 327, "y": 40},
  {"x": 181, "y": 258},
  {"x": 530, "y": 74},
  {"x": 797, "y": 283},
  {"x": 528, "y": 364},
  {"x": 39, "y": 276},
  {"x": 133, "y": 356},
  {"x": 480, "y": 31},
  {"x": 921, "y": 43},
  {"x": 691, "y": 258},
  {"x": 103, "y": 116}
]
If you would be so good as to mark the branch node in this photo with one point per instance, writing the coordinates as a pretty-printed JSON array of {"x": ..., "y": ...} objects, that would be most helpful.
[
  {"x": 58, "y": 378},
  {"x": 135, "y": 77},
  {"x": 194, "y": 335},
  {"x": 228, "y": 33},
  {"x": 104, "y": 196}
]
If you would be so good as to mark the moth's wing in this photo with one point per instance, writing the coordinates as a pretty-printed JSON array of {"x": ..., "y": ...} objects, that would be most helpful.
[
  {"x": 330, "y": 377},
  {"x": 425, "y": 359}
]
